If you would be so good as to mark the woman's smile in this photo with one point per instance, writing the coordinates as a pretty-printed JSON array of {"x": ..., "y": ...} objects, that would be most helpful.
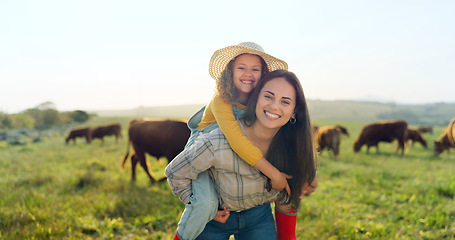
[{"x": 271, "y": 115}]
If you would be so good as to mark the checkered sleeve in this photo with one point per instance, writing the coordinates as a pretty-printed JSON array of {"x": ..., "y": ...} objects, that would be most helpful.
[{"x": 187, "y": 165}]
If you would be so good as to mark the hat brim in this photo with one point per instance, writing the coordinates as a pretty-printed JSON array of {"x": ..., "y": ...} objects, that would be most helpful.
[{"x": 222, "y": 57}]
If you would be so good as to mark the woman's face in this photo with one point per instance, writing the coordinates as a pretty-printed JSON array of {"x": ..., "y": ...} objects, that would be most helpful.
[
  {"x": 276, "y": 103},
  {"x": 246, "y": 74}
]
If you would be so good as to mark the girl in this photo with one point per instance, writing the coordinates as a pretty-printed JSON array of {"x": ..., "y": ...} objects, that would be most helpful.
[
  {"x": 237, "y": 69},
  {"x": 277, "y": 121}
]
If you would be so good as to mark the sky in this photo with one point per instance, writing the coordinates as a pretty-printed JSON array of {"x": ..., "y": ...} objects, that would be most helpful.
[{"x": 107, "y": 54}]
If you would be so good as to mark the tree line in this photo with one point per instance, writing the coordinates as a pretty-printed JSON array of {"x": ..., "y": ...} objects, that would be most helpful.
[{"x": 41, "y": 117}]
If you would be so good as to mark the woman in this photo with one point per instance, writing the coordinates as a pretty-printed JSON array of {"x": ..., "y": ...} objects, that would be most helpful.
[{"x": 277, "y": 121}]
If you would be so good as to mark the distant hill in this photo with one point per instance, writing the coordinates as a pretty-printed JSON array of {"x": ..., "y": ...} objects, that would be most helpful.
[
  {"x": 354, "y": 111},
  {"x": 178, "y": 111},
  {"x": 364, "y": 111}
]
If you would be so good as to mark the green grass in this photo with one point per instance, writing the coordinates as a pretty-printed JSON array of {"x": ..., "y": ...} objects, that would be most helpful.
[{"x": 50, "y": 190}]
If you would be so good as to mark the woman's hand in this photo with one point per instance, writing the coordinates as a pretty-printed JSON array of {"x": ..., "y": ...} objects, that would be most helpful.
[
  {"x": 222, "y": 215},
  {"x": 308, "y": 189}
]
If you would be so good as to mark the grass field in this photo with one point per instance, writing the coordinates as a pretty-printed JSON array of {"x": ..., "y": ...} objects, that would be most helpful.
[{"x": 50, "y": 190}]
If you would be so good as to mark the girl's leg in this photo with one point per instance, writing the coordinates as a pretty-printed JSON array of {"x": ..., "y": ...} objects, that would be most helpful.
[
  {"x": 192, "y": 125},
  {"x": 286, "y": 219},
  {"x": 202, "y": 208}
]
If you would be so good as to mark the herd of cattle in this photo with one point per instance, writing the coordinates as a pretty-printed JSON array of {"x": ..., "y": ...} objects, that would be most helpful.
[
  {"x": 167, "y": 138},
  {"x": 97, "y": 132},
  {"x": 387, "y": 131}
]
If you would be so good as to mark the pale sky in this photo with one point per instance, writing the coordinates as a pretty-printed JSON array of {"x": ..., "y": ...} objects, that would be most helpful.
[{"x": 99, "y": 55}]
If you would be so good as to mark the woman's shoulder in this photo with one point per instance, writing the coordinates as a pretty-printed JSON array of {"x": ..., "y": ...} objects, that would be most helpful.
[{"x": 216, "y": 139}]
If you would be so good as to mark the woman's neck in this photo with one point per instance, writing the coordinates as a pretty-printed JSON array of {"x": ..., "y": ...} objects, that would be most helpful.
[{"x": 260, "y": 136}]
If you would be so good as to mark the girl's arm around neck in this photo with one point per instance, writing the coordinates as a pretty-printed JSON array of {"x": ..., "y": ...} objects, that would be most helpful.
[{"x": 225, "y": 118}]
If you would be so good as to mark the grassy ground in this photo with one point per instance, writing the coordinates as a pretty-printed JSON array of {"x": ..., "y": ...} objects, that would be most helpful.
[{"x": 50, "y": 190}]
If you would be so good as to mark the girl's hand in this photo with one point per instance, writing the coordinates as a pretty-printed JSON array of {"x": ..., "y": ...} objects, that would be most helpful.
[
  {"x": 280, "y": 182},
  {"x": 222, "y": 215}
]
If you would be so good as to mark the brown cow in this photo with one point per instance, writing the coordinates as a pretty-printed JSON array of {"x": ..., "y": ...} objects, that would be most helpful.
[
  {"x": 343, "y": 130},
  {"x": 165, "y": 138},
  {"x": 451, "y": 132},
  {"x": 442, "y": 143},
  {"x": 415, "y": 136},
  {"x": 107, "y": 130},
  {"x": 79, "y": 132},
  {"x": 446, "y": 140},
  {"x": 386, "y": 131},
  {"x": 425, "y": 129},
  {"x": 330, "y": 137},
  {"x": 314, "y": 128}
]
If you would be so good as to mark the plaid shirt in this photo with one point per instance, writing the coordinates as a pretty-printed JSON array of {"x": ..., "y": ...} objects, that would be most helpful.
[{"x": 239, "y": 185}]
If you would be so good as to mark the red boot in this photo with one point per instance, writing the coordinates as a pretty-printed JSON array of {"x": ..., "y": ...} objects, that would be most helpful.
[
  {"x": 285, "y": 225},
  {"x": 176, "y": 237}
]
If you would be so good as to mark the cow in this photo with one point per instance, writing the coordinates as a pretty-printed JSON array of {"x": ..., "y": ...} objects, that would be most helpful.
[
  {"x": 342, "y": 130},
  {"x": 425, "y": 129},
  {"x": 158, "y": 138},
  {"x": 416, "y": 136},
  {"x": 451, "y": 132},
  {"x": 107, "y": 130},
  {"x": 314, "y": 128},
  {"x": 79, "y": 132},
  {"x": 385, "y": 131},
  {"x": 446, "y": 140},
  {"x": 442, "y": 143},
  {"x": 330, "y": 137}
]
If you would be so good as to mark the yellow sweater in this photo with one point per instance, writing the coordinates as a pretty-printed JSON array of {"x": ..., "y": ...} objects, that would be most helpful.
[{"x": 221, "y": 112}]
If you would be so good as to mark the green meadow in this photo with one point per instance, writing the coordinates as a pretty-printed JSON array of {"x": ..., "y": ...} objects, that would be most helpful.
[{"x": 50, "y": 190}]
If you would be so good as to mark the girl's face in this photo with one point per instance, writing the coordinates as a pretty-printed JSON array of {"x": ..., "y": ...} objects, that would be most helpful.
[
  {"x": 276, "y": 103},
  {"x": 246, "y": 74}
]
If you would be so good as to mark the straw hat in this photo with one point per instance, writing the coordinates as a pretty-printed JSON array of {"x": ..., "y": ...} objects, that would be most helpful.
[{"x": 222, "y": 57}]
